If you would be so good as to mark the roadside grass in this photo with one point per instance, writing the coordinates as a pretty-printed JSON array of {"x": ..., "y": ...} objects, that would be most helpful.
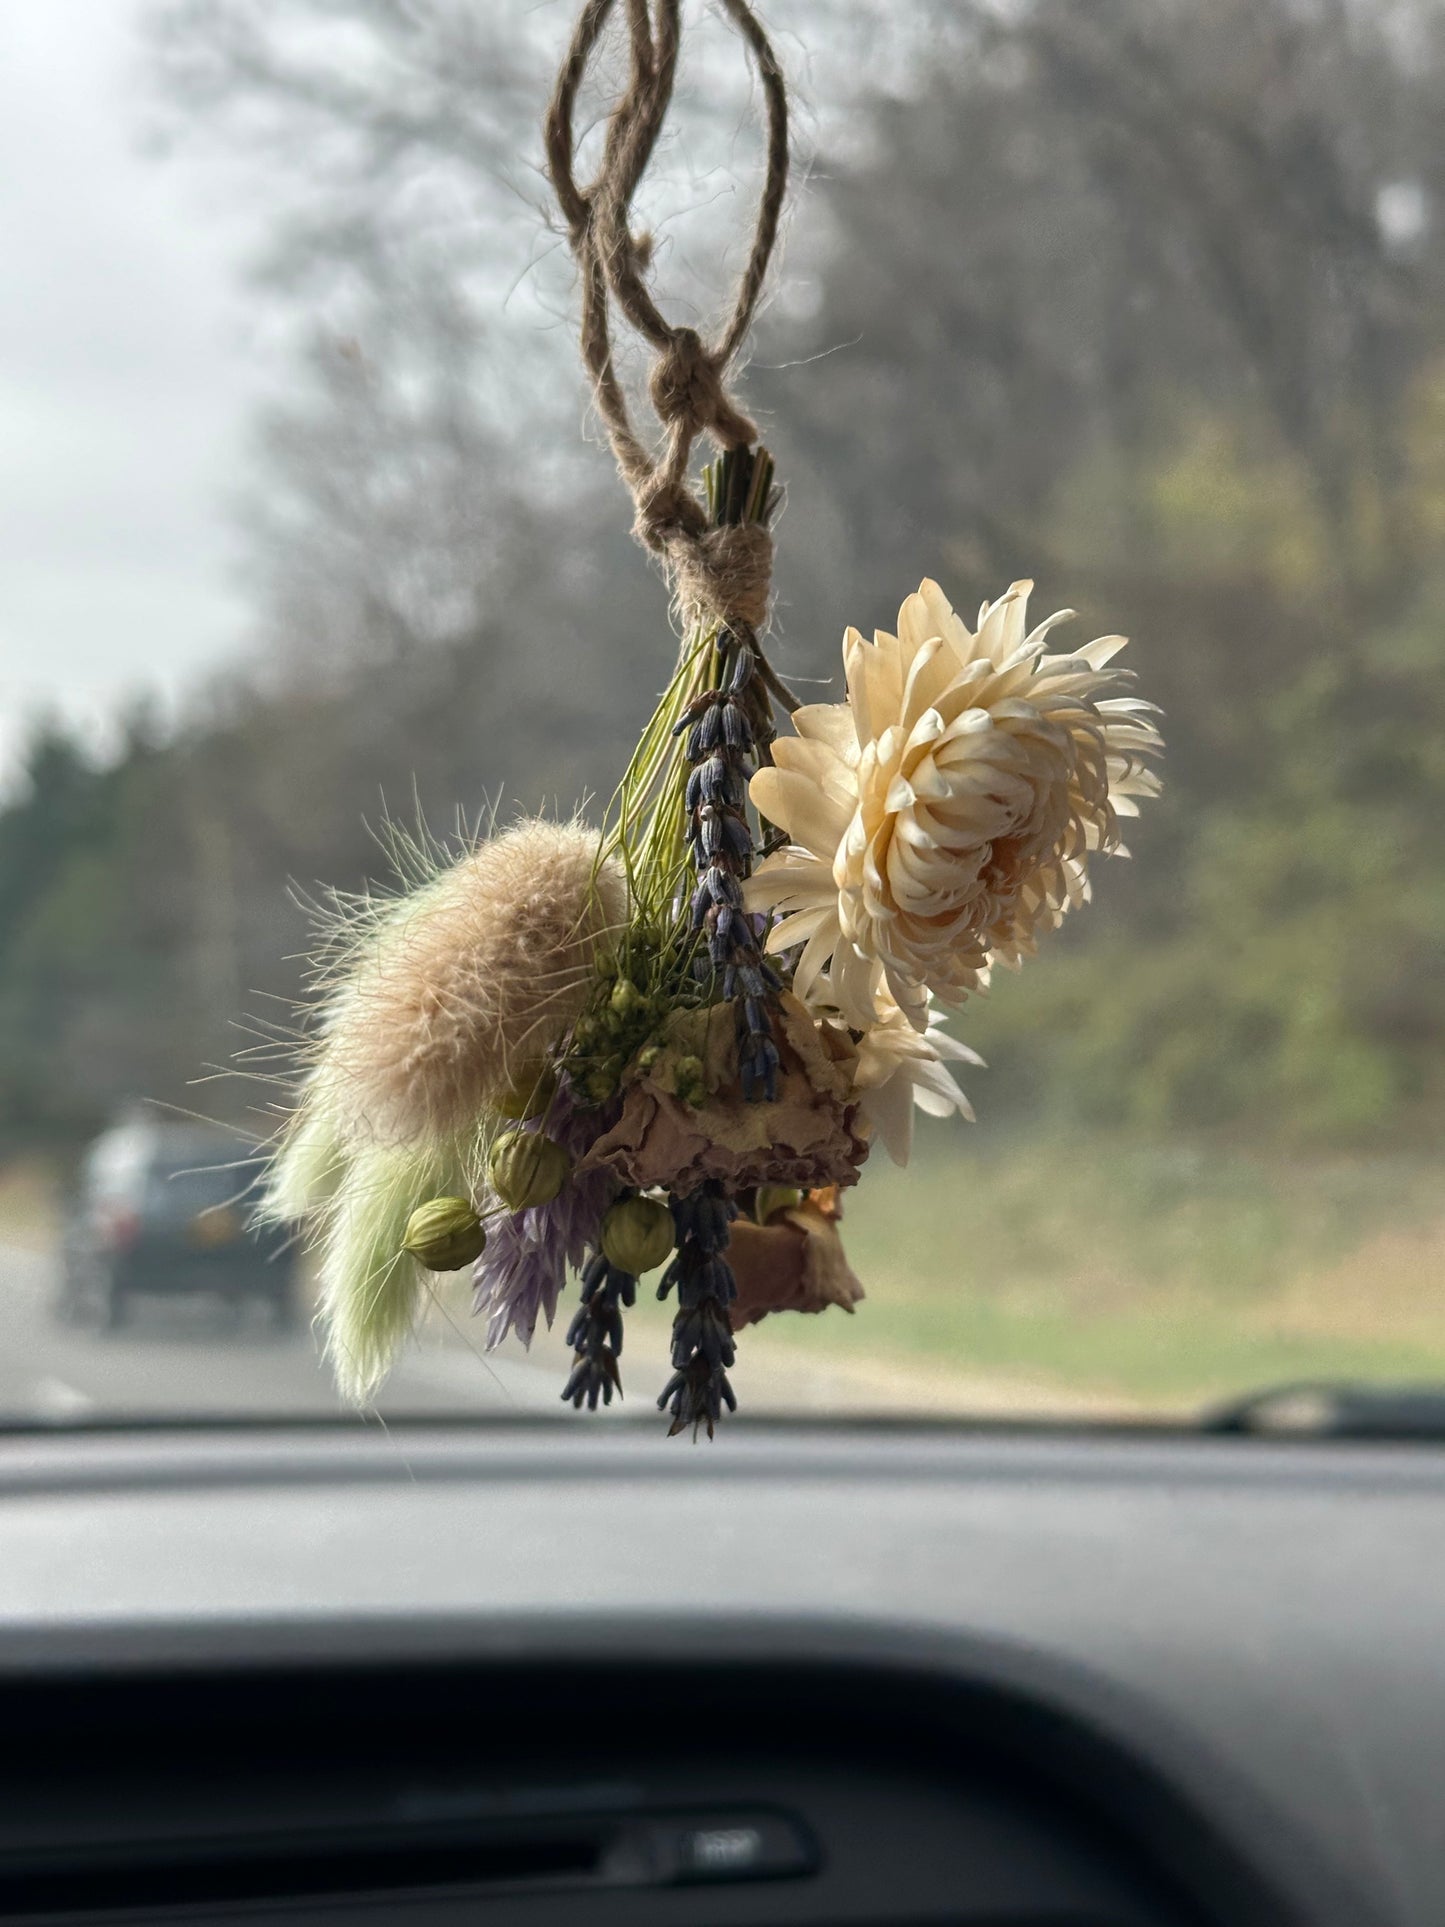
[
  {"x": 28, "y": 1204},
  {"x": 1094, "y": 1275},
  {"x": 1064, "y": 1273}
]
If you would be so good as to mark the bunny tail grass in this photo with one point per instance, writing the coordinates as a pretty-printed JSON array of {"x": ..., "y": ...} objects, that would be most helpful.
[
  {"x": 309, "y": 1161},
  {"x": 371, "y": 1290},
  {"x": 437, "y": 1003}
]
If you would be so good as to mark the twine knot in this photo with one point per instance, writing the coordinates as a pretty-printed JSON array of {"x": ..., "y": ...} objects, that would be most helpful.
[
  {"x": 665, "y": 510},
  {"x": 687, "y": 387}
]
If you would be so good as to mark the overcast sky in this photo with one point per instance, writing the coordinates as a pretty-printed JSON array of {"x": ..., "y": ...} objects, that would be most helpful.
[
  {"x": 130, "y": 366},
  {"x": 124, "y": 382}
]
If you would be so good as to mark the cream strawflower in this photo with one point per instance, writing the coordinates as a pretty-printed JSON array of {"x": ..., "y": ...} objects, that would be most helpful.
[
  {"x": 900, "y": 1068},
  {"x": 943, "y": 816}
]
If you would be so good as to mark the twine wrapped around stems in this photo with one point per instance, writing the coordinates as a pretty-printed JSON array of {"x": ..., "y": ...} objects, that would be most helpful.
[{"x": 723, "y": 573}]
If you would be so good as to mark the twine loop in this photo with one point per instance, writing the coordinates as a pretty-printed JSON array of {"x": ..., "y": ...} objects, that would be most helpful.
[{"x": 687, "y": 385}]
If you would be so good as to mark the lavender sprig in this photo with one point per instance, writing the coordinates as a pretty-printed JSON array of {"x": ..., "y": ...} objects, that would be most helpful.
[
  {"x": 596, "y": 1333},
  {"x": 724, "y": 727},
  {"x": 720, "y": 748},
  {"x": 703, "y": 1346}
]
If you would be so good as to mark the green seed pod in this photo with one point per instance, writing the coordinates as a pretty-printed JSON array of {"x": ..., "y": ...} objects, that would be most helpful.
[
  {"x": 444, "y": 1234},
  {"x": 530, "y": 1095},
  {"x": 599, "y": 1084},
  {"x": 626, "y": 997},
  {"x": 691, "y": 1081},
  {"x": 528, "y": 1168},
  {"x": 773, "y": 1198},
  {"x": 637, "y": 1235}
]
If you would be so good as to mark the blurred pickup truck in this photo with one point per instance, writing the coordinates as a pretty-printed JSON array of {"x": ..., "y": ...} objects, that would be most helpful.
[{"x": 166, "y": 1210}]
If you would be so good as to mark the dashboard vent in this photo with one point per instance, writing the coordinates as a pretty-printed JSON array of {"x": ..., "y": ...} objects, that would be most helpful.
[
  {"x": 192, "y": 1874},
  {"x": 609, "y": 1851}
]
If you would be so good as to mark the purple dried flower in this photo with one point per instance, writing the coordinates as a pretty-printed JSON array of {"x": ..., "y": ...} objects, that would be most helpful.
[{"x": 524, "y": 1267}]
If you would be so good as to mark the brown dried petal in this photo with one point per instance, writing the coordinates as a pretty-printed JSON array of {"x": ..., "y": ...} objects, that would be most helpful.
[
  {"x": 810, "y": 1137},
  {"x": 794, "y": 1263}
]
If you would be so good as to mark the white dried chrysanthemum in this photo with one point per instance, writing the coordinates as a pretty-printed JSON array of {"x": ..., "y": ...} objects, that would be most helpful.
[
  {"x": 901, "y": 1069},
  {"x": 944, "y": 816}
]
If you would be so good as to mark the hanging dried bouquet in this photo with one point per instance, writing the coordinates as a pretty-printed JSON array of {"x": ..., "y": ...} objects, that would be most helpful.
[{"x": 670, "y": 1045}]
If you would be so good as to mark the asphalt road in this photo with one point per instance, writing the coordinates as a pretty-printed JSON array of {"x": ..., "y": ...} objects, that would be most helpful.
[{"x": 189, "y": 1358}]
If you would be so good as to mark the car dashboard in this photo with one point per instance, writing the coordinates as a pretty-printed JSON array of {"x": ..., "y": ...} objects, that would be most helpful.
[{"x": 569, "y": 1674}]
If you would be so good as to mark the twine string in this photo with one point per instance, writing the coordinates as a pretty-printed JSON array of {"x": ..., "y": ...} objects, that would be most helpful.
[{"x": 725, "y": 572}]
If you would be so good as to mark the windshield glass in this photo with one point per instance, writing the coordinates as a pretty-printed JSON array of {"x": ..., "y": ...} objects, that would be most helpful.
[{"x": 299, "y": 544}]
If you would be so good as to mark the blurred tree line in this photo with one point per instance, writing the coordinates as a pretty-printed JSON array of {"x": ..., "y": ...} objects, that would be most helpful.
[{"x": 1142, "y": 298}]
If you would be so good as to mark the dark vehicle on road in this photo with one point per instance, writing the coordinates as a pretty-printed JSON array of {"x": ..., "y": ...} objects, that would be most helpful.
[{"x": 162, "y": 1209}]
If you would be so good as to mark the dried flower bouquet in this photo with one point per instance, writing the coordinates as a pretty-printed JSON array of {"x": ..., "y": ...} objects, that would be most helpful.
[{"x": 670, "y": 1045}]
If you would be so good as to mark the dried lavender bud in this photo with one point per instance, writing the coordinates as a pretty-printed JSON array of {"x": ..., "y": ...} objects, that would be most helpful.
[
  {"x": 758, "y": 1070},
  {"x": 695, "y": 1397},
  {"x": 695, "y": 710},
  {"x": 701, "y": 1218},
  {"x": 717, "y": 781},
  {"x": 726, "y": 782},
  {"x": 596, "y": 1333},
  {"x": 592, "y": 1378},
  {"x": 737, "y": 837},
  {"x": 720, "y": 1277},
  {"x": 606, "y": 1320},
  {"x": 704, "y": 1330},
  {"x": 710, "y": 1220},
  {"x": 712, "y": 832}
]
